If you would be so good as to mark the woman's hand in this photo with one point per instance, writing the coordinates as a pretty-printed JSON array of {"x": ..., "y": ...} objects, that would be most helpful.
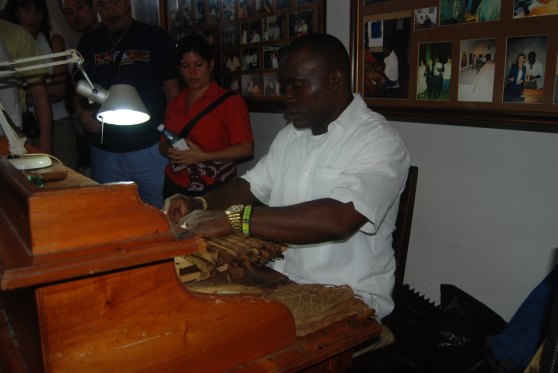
[{"x": 191, "y": 156}]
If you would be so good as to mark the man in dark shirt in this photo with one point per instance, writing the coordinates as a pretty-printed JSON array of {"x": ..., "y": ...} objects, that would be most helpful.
[{"x": 125, "y": 51}]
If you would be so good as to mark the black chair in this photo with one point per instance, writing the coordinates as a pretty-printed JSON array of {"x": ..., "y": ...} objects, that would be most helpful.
[{"x": 377, "y": 356}]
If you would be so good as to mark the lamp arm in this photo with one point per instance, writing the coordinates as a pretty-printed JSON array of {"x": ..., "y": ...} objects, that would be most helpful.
[{"x": 24, "y": 64}]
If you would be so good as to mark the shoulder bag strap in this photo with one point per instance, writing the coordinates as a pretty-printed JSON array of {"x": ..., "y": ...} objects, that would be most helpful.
[{"x": 202, "y": 113}]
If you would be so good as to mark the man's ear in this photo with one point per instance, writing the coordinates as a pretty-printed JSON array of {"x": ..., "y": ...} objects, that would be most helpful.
[{"x": 336, "y": 80}]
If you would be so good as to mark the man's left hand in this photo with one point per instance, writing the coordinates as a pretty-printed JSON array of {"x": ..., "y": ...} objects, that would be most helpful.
[{"x": 208, "y": 223}]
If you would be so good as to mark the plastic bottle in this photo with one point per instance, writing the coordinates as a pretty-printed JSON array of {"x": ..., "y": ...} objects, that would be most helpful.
[{"x": 174, "y": 140}]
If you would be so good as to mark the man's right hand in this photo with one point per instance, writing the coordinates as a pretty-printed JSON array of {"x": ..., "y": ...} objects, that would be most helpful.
[
  {"x": 88, "y": 122},
  {"x": 177, "y": 206}
]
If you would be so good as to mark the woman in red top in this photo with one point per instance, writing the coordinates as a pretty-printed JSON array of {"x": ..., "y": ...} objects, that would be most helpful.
[{"x": 219, "y": 139}]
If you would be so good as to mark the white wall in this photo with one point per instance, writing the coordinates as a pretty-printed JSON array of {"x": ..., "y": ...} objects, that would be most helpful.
[{"x": 486, "y": 210}]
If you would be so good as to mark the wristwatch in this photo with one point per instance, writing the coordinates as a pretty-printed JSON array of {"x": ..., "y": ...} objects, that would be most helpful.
[{"x": 234, "y": 213}]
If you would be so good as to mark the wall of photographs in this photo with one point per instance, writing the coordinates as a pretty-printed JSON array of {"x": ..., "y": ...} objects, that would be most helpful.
[
  {"x": 476, "y": 61},
  {"x": 245, "y": 36}
]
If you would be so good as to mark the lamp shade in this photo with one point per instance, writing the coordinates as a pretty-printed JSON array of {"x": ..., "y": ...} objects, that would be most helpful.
[{"x": 123, "y": 106}]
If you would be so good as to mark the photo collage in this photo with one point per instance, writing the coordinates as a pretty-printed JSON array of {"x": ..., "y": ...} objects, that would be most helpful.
[{"x": 458, "y": 51}]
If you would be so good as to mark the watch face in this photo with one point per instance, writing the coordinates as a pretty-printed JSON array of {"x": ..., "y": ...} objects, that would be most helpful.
[{"x": 234, "y": 209}]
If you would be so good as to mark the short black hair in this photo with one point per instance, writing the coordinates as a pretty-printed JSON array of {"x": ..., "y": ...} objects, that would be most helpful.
[
  {"x": 325, "y": 46},
  {"x": 193, "y": 43},
  {"x": 60, "y": 3},
  {"x": 10, "y": 13}
]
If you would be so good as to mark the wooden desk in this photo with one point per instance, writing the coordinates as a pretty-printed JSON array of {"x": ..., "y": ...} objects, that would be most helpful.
[{"x": 88, "y": 284}]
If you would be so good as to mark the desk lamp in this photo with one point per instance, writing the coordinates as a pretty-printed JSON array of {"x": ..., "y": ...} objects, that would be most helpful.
[{"x": 120, "y": 105}]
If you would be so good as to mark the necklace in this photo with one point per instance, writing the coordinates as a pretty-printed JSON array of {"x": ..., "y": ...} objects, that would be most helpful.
[{"x": 113, "y": 51}]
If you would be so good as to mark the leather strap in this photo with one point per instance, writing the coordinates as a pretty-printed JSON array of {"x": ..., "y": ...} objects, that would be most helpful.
[{"x": 202, "y": 113}]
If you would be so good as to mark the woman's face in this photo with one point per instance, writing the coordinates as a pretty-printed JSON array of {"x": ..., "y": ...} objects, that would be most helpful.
[
  {"x": 521, "y": 59},
  {"x": 195, "y": 70},
  {"x": 30, "y": 18}
]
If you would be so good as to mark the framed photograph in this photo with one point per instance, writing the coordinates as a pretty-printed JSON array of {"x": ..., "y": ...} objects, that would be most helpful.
[
  {"x": 245, "y": 36},
  {"x": 534, "y": 8},
  {"x": 426, "y": 17},
  {"x": 459, "y": 11},
  {"x": 477, "y": 67},
  {"x": 473, "y": 63},
  {"x": 147, "y": 11}
]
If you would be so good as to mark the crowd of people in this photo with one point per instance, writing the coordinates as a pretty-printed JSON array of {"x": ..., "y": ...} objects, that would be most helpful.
[
  {"x": 329, "y": 185},
  {"x": 433, "y": 78}
]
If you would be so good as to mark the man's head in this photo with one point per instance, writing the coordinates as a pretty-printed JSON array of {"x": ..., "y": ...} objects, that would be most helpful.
[
  {"x": 314, "y": 74},
  {"x": 387, "y": 50},
  {"x": 80, "y": 14},
  {"x": 532, "y": 56},
  {"x": 115, "y": 14}
]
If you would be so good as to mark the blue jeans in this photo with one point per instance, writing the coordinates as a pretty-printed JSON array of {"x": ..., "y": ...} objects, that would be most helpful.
[{"x": 145, "y": 167}]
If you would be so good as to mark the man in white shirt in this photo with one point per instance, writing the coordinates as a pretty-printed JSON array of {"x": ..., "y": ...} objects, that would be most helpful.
[
  {"x": 329, "y": 185},
  {"x": 535, "y": 71},
  {"x": 391, "y": 67}
]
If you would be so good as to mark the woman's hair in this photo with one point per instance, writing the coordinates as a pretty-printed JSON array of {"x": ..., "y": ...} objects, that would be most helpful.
[
  {"x": 193, "y": 43},
  {"x": 10, "y": 13}
]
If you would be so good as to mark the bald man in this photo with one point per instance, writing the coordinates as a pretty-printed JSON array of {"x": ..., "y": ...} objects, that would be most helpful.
[{"x": 329, "y": 185}]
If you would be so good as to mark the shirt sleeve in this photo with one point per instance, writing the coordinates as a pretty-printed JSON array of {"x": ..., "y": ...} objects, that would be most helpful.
[
  {"x": 375, "y": 178},
  {"x": 262, "y": 175},
  {"x": 28, "y": 48}
]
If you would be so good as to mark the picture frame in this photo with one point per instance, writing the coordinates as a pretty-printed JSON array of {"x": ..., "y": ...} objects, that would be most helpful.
[
  {"x": 474, "y": 56},
  {"x": 245, "y": 36},
  {"x": 147, "y": 11}
]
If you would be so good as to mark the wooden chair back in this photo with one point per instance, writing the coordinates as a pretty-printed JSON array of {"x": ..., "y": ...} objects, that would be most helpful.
[{"x": 402, "y": 232}]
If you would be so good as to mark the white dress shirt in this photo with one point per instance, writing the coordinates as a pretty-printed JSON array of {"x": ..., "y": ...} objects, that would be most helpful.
[{"x": 361, "y": 159}]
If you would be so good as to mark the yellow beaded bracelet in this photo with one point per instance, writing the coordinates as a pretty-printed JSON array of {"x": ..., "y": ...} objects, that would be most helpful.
[{"x": 246, "y": 220}]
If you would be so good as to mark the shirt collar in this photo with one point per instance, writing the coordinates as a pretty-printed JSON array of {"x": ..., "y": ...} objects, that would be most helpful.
[{"x": 350, "y": 115}]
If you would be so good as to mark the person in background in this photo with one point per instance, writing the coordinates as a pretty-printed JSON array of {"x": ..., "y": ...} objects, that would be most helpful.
[
  {"x": 329, "y": 185},
  {"x": 446, "y": 75},
  {"x": 421, "y": 79},
  {"x": 220, "y": 138},
  {"x": 9, "y": 95},
  {"x": 80, "y": 15},
  {"x": 391, "y": 67},
  {"x": 535, "y": 71},
  {"x": 513, "y": 92},
  {"x": 20, "y": 44},
  {"x": 125, "y": 51},
  {"x": 33, "y": 16},
  {"x": 437, "y": 78}
]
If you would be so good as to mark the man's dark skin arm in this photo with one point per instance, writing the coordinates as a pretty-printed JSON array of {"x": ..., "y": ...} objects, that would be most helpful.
[{"x": 309, "y": 222}]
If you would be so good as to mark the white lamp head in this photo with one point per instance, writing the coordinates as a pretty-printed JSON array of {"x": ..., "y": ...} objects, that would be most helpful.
[
  {"x": 123, "y": 106},
  {"x": 120, "y": 105}
]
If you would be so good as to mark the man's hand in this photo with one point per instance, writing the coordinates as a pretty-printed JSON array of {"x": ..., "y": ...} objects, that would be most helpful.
[
  {"x": 176, "y": 207},
  {"x": 210, "y": 223},
  {"x": 88, "y": 122}
]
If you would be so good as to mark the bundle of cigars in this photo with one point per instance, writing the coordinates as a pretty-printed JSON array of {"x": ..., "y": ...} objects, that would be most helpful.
[{"x": 229, "y": 257}]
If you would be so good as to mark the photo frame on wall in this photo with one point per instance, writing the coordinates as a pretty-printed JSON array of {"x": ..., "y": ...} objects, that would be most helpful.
[
  {"x": 457, "y": 67},
  {"x": 147, "y": 11},
  {"x": 245, "y": 37}
]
